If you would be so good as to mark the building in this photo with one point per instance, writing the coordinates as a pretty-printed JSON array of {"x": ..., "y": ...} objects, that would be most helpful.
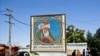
[
  {"x": 69, "y": 49},
  {"x": 74, "y": 46},
  {"x": 4, "y": 50}
]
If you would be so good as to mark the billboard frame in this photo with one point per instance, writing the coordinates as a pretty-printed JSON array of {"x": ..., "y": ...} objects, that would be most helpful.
[{"x": 63, "y": 22}]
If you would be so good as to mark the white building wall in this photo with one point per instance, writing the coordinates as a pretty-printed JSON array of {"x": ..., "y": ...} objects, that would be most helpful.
[
  {"x": 70, "y": 46},
  {"x": 73, "y": 46},
  {"x": 52, "y": 54}
]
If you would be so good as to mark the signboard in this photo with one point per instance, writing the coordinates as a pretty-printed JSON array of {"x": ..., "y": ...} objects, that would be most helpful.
[{"x": 47, "y": 32}]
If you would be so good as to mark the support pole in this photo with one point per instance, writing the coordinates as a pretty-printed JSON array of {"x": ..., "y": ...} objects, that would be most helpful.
[{"x": 10, "y": 27}]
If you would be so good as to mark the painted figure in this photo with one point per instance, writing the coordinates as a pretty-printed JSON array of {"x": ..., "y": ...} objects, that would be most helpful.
[{"x": 44, "y": 33}]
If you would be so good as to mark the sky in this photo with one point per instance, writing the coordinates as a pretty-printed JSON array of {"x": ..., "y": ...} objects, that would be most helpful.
[{"x": 83, "y": 14}]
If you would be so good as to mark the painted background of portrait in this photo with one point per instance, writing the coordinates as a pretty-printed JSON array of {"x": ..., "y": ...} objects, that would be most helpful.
[{"x": 55, "y": 27}]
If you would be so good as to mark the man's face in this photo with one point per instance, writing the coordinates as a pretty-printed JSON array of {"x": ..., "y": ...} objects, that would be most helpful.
[{"x": 45, "y": 21}]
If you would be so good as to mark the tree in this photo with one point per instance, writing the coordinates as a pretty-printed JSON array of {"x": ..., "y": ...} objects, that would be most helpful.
[
  {"x": 94, "y": 41},
  {"x": 89, "y": 39},
  {"x": 27, "y": 45},
  {"x": 98, "y": 33},
  {"x": 69, "y": 35},
  {"x": 97, "y": 39},
  {"x": 74, "y": 35},
  {"x": 79, "y": 35}
]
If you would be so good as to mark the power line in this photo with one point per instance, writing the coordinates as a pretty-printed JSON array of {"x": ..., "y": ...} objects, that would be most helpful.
[
  {"x": 21, "y": 29},
  {"x": 86, "y": 22},
  {"x": 2, "y": 14},
  {"x": 20, "y": 22},
  {"x": 81, "y": 21},
  {"x": 2, "y": 11}
]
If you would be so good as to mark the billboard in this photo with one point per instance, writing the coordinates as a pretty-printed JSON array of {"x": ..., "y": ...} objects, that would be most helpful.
[{"x": 47, "y": 32}]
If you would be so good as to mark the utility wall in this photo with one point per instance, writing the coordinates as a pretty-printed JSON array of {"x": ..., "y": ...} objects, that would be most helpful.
[{"x": 69, "y": 49}]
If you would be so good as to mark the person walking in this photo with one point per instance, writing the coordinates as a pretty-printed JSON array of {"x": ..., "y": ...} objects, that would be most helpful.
[
  {"x": 78, "y": 53},
  {"x": 83, "y": 54},
  {"x": 73, "y": 53},
  {"x": 87, "y": 52}
]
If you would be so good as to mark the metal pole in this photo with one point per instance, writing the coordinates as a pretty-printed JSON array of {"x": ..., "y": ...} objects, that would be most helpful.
[{"x": 10, "y": 26}]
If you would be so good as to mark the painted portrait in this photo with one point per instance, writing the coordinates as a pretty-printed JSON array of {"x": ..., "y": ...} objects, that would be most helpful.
[{"x": 47, "y": 32}]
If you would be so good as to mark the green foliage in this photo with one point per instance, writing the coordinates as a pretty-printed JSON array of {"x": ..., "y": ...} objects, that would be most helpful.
[
  {"x": 77, "y": 35},
  {"x": 89, "y": 39},
  {"x": 94, "y": 41},
  {"x": 98, "y": 33},
  {"x": 74, "y": 35}
]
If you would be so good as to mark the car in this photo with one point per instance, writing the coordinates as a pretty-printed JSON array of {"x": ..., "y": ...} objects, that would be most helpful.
[
  {"x": 26, "y": 53},
  {"x": 23, "y": 53}
]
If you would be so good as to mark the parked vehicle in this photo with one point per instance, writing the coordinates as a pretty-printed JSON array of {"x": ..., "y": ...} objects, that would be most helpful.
[
  {"x": 26, "y": 53},
  {"x": 23, "y": 53}
]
